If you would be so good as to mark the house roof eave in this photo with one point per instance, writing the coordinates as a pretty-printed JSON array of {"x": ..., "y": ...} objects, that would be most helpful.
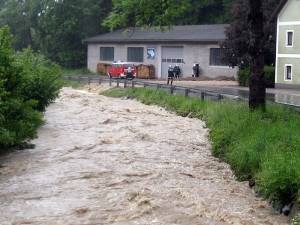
[
  {"x": 159, "y": 41},
  {"x": 277, "y": 11}
]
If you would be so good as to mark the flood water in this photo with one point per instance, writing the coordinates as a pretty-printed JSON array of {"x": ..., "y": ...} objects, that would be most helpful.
[{"x": 100, "y": 160}]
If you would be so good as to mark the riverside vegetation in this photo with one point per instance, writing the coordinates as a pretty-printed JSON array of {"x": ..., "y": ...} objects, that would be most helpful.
[
  {"x": 260, "y": 146},
  {"x": 28, "y": 84}
]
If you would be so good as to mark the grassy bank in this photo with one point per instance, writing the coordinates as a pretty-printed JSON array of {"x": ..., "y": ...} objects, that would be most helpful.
[
  {"x": 72, "y": 83},
  {"x": 261, "y": 146},
  {"x": 80, "y": 71}
]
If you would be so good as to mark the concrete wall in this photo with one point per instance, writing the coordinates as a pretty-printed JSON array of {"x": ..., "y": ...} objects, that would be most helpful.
[
  {"x": 200, "y": 54},
  {"x": 193, "y": 53}
]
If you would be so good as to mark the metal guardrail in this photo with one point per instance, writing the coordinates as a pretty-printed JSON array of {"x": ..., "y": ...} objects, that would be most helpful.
[{"x": 187, "y": 91}]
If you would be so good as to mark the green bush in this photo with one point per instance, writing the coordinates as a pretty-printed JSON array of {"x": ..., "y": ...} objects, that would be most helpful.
[
  {"x": 43, "y": 79},
  {"x": 296, "y": 220},
  {"x": 270, "y": 76},
  {"x": 243, "y": 77},
  {"x": 18, "y": 119},
  {"x": 27, "y": 86}
]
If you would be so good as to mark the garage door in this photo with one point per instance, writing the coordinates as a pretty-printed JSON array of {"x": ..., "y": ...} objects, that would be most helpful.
[{"x": 171, "y": 55}]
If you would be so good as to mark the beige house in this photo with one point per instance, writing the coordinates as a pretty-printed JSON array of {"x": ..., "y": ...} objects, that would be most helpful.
[
  {"x": 287, "y": 16},
  {"x": 183, "y": 45}
]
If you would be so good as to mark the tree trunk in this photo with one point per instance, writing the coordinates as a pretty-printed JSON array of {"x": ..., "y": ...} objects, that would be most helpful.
[{"x": 257, "y": 88}]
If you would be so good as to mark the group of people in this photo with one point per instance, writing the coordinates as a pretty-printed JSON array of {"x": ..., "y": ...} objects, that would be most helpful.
[{"x": 173, "y": 72}]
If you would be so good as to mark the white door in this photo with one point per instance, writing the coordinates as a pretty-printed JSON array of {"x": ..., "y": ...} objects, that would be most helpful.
[{"x": 171, "y": 55}]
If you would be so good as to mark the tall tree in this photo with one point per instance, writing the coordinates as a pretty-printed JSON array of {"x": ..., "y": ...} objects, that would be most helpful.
[
  {"x": 155, "y": 13},
  {"x": 207, "y": 12},
  {"x": 159, "y": 13},
  {"x": 237, "y": 36},
  {"x": 257, "y": 87},
  {"x": 62, "y": 24},
  {"x": 56, "y": 27},
  {"x": 16, "y": 15}
]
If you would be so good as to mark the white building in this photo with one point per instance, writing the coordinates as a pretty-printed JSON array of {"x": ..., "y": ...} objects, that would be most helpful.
[{"x": 183, "y": 45}]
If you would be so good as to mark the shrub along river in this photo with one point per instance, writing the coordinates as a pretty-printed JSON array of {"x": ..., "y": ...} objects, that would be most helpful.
[{"x": 100, "y": 160}]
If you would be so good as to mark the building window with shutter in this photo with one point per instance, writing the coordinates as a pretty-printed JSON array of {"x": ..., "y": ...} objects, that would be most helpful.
[
  {"x": 107, "y": 54},
  {"x": 215, "y": 54},
  {"x": 288, "y": 73},
  {"x": 289, "y": 38},
  {"x": 135, "y": 54}
]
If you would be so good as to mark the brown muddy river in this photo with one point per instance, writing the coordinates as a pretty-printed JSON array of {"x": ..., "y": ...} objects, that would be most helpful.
[{"x": 100, "y": 160}]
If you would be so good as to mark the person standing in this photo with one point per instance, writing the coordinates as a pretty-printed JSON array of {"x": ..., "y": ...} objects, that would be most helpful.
[
  {"x": 129, "y": 75},
  {"x": 196, "y": 70},
  {"x": 170, "y": 74},
  {"x": 177, "y": 71}
]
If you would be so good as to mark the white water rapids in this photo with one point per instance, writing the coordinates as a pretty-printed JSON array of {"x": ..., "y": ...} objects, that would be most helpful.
[{"x": 101, "y": 160}]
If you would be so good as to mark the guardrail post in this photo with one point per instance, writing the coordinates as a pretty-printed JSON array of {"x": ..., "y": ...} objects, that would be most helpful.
[
  {"x": 186, "y": 92},
  {"x": 145, "y": 85},
  {"x": 69, "y": 77},
  {"x": 202, "y": 95},
  {"x": 99, "y": 80},
  {"x": 132, "y": 83},
  {"x": 171, "y": 89},
  {"x": 125, "y": 83},
  {"x": 220, "y": 96},
  {"x": 79, "y": 79},
  {"x": 89, "y": 80},
  {"x": 118, "y": 83},
  {"x": 110, "y": 82},
  {"x": 157, "y": 86}
]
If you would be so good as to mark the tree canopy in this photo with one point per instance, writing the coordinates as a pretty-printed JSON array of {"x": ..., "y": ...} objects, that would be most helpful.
[
  {"x": 55, "y": 27},
  {"x": 162, "y": 14},
  {"x": 237, "y": 36}
]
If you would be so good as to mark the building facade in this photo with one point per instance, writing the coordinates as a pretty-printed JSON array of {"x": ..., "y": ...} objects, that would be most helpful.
[
  {"x": 287, "y": 15},
  {"x": 184, "y": 45}
]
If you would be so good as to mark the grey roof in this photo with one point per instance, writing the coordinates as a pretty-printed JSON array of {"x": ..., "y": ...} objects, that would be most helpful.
[{"x": 189, "y": 33}]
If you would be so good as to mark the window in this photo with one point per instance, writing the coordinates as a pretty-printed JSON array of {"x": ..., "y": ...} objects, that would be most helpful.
[
  {"x": 289, "y": 38},
  {"x": 172, "y": 60},
  {"x": 117, "y": 66},
  {"x": 106, "y": 53},
  {"x": 288, "y": 72},
  {"x": 215, "y": 54},
  {"x": 135, "y": 54}
]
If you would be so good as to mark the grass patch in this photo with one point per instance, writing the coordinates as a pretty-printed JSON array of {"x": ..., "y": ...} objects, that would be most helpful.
[
  {"x": 73, "y": 84},
  {"x": 80, "y": 71},
  {"x": 264, "y": 146}
]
